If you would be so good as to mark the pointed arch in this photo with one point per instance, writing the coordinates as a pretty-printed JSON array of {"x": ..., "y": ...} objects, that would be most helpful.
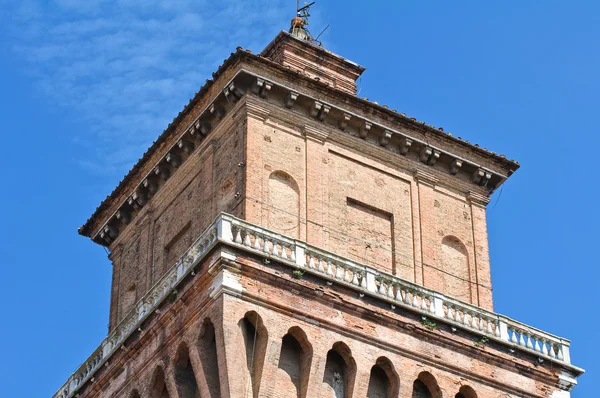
[
  {"x": 466, "y": 392},
  {"x": 340, "y": 371},
  {"x": 426, "y": 386},
  {"x": 255, "y": 338},
  {"x": 159, "y": 385},
  {"x": 293, "y": 368},
  {"x": 207, "y": 344},
  {"x": 284, "y": 201},
  {"x": 185, "y": 379},
  {"x": 383, "y": 380}
]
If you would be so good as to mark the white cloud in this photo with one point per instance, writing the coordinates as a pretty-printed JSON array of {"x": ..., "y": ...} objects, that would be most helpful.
[{"x": 127, "y": 67}]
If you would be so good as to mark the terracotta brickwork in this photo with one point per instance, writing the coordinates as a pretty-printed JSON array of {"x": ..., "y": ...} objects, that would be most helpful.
[
  {"x": 200, "y": 189},
  {"x": 281, "y": 140},
  {"x": 390, "y": 215},
  {"x": 283, "y": 337}
]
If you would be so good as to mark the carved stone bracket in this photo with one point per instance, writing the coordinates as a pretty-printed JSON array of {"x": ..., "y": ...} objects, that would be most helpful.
[
  {"x": 264, "y": 87},
  {"x": 384, "y": 139},
  {"x": 343, "y": 123},
  {"x": 217, "y": 111},
  {"x": 290, "y": 100},
  {"x": 364, "y": 130},
  {"x": 405, "y": 145},
  {"x": 173, "y": 159},
  {"x": 456, "y": 164},
  {"x": 481, "y": 177},
  {"x": 429, "y": 156},
  {"x": 186, "y": 146},
  {"x": 150, "y": 185},
  {"x": 162, "y": 171}
]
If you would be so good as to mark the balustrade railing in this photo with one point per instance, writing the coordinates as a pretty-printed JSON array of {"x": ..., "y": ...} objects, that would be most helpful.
[
  {"x": 334, "y": 269},
  {"x": 368, "y": 280}
]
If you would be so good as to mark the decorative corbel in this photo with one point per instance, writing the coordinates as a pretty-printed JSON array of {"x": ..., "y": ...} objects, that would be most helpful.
[
  {"x": 137, "y": 200},
  {"x": 384, "y": 139},
  {"x": 456, "y": 164},
  {"x": 343, "y": 123},
  {"x": 186, "y": 146},
  {"x": 235, "y": 90},
  {"x": 173, "y": 159},
  {"x": 290, "y": 100},
  {"x": 405, "y": 145},
  {"x": 123, "y": 216},
  {"x": 162, "y": 171},
  {"x": 364, "y": 130},
  {"x": 429, "y": 156},
  {"x": 481, "y": 177},
  {"x": 217, "y": 111},
  {"x": 109, "y": 234},
  {"x": 316, "y": 108},
  {"x": 264, "y": 87},
  {"x": 150, "y": 185}
]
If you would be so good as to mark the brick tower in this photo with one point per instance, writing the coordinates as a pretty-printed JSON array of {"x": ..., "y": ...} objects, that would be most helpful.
[{"x": 285, "y": 238}]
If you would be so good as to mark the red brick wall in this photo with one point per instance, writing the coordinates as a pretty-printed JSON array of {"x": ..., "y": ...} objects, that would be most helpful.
[{"x": 347, "y": 197}]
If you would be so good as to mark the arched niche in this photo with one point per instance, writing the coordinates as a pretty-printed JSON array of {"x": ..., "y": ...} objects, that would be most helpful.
[
  {"x": 284, "y": 204},
  {"x": 383, "y": 380},
  {"x": 254, "y": 338},
  {"x": 340, "y": 372},
  {"x": 466, "y": 392},
  {"x": 426, "y": 386},
  {"x": 454, "y": 264},
  {"x": 293, "y": 368},
  {"x": 185, "y": 379},
  {"x": 207, "y": 348}
]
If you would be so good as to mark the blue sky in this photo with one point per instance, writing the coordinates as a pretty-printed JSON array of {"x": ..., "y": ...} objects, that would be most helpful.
[{"x": 86, "y": 86}]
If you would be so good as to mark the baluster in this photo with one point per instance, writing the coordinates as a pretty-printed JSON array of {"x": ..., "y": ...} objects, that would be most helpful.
[
  {"x": 256, "y": 241},
  {"x": 431, "y": 305},
  {"x": 537, "y": 346},
  {"x": 329, "y": 269},
  {"x": 559, "y": 353},
  {"x": 390, "y": 289},
  {"x": 275, "y": 250},
  {"x": 513, "y": 336},
  {"x": 355, "y": 277},
  {"x": 293, "y": 253},
  {"x": 247, "y": 241},
  {"x": 451, "y": 314},
  {"x": 522, "y": 338},
  {"x": 545, "y": 347},
  {"x": 415, "y": 303},
  {"x": 311, "y": 263},
  {"x": 490, "y": 326},
  {"x": 284, "y": 251},
  {"x": 339, "y": 272},
  {"x": 423, "y": 302},
  {"x": 347, "y": 276},
  {"x": 529, "y": 340},
  {"x": 398, "y": 295},
  {"x": 238, "y": 236},
  {"x": 406, "y": 292},
  {"x": 266, "y": 244},
  {"x": 381, "y": 289},
  {"x": 363, "y": 280},
  {"x": 321, "y": 268},
  {"x": 552, "y": 351},
  {"x": 465, "y": 318}
]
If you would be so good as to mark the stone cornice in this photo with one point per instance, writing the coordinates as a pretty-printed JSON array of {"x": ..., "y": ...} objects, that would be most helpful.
[{"x": 245, "y": 84}]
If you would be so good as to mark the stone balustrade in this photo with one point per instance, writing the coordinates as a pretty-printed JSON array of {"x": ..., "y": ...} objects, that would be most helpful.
[{"x": 334, "y": 269}]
